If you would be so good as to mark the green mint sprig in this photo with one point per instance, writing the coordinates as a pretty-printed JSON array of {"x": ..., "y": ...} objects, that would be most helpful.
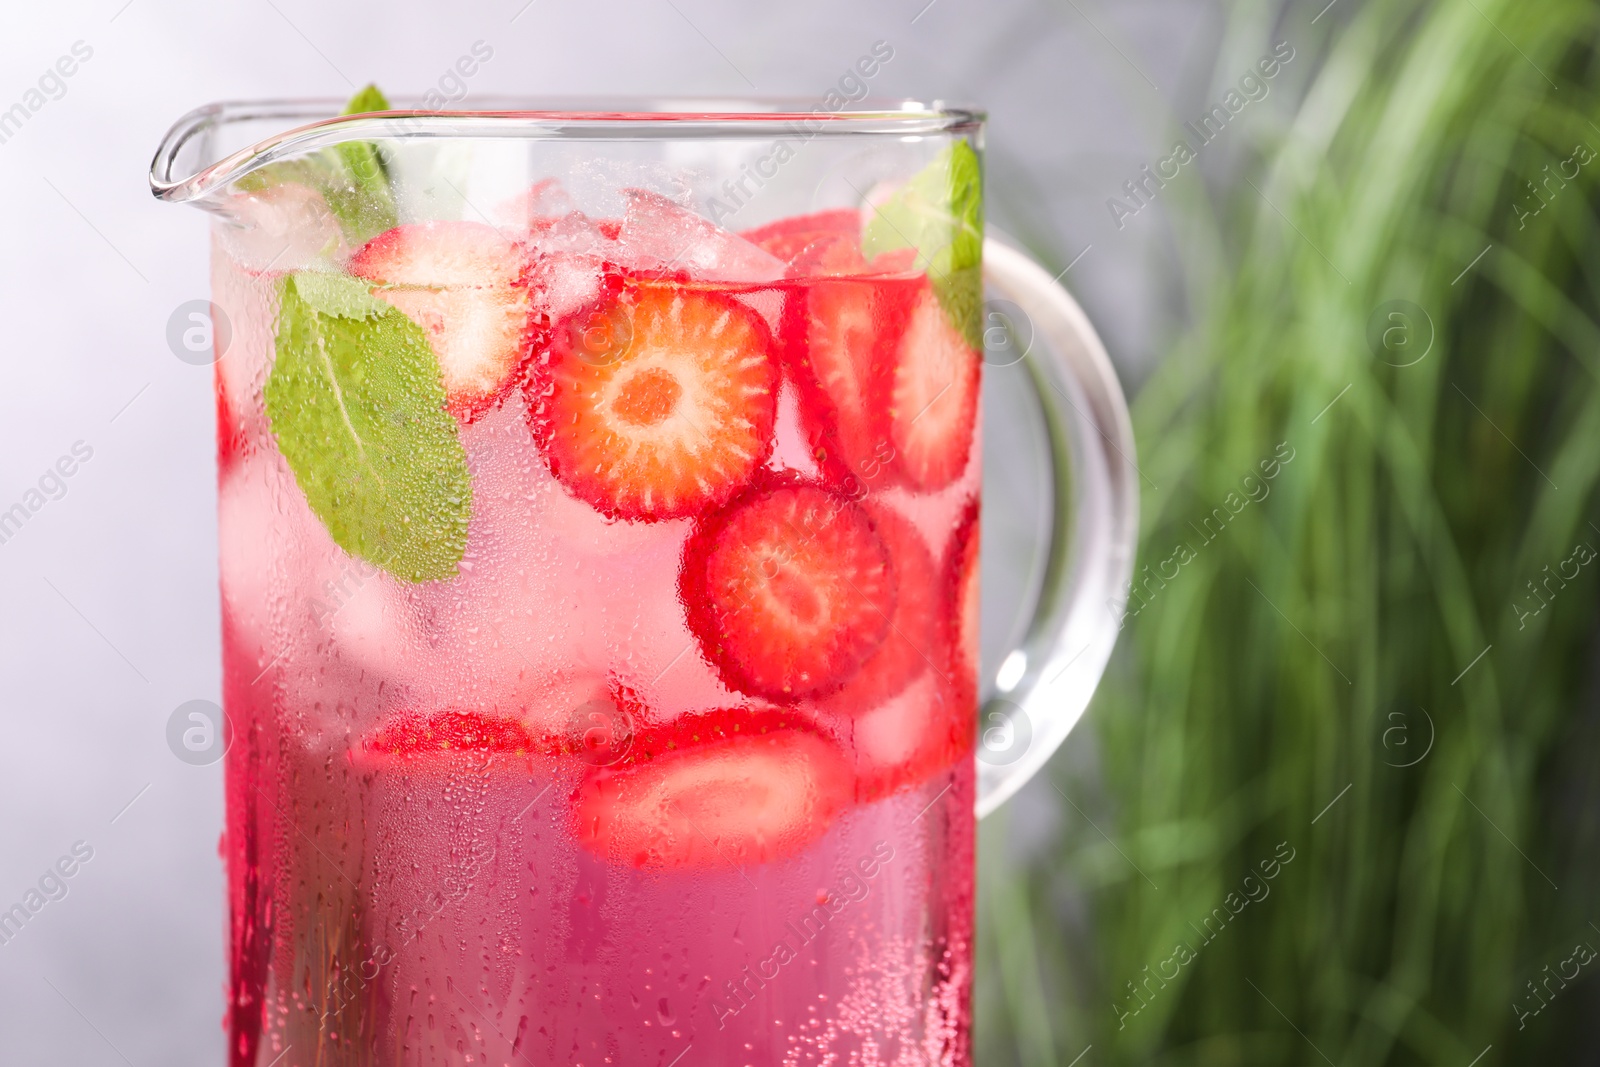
[
  {"x": 352, "y": 177},
  {"x": 939, "y": 212}
]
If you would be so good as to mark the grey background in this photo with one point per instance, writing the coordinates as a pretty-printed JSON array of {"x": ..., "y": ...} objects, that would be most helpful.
[{"x": 110, "y": 616}]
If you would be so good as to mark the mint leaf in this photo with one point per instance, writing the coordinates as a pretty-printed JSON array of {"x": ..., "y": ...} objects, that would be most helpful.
[
  {"x": 939, "y": 212},
  {"x": 339, "y": 295},
  {"x": 356, "y": 403},
  {"x": 369, "y": 99},
  {"x": 369, "y": 201},
  {"x": 352, "y": 177}
]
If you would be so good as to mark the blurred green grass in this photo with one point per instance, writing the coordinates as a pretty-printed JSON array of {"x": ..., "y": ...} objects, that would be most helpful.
[{"x": 1328, "y": 646}]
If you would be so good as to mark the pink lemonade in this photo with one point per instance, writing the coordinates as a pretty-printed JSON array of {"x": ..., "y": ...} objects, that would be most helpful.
[{"x": 599, "y": 608}]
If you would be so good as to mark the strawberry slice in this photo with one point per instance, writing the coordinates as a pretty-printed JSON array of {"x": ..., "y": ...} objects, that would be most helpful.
[
  {"x": 789, "y": 589},
  {"x": 932, "y": 397},
  {"x": 911, "y": 645},
  {"x": 911, "y": 736},
  {"x": 962, "y": 615},
  {"x": 715, "y": 790},
  {"x": 789, "y": 238},
  {"x": 232, "y": 442},
  {"x": 838, "y": 335},
  {"x": 657, "y": 403},
  {"x": 825, "y": 244},
  {"x": 454, "y": 731},
  {"x": 463, "y": 283}
]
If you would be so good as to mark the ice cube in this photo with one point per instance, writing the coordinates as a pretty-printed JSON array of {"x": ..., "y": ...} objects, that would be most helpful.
[
  {"x": 280, "y": 228},
  {"x": 250, "y": 554},
  {"x": 561, "y": 282},
  {"x": 520, "y": 610},
  {"x": 575, "y": 233},
  {"x": 535, "y": 209},
  {"x": 659, "y": 235},
  {"x": 332, "y": 626}
]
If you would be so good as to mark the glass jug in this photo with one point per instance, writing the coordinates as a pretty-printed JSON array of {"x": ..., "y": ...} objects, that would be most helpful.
[{"x": 599, "y": 520}]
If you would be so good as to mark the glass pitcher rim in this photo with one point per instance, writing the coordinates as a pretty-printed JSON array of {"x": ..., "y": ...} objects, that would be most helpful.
[{"x": 321, "y": 125}]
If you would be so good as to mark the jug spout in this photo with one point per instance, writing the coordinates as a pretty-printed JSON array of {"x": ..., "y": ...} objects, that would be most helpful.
[
  {"x": 212, "y": 147},
  {"x": 291, "y": 197}
]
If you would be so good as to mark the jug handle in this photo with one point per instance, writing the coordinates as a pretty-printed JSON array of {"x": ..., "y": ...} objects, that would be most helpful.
[{"x": 1043, "y": 685}]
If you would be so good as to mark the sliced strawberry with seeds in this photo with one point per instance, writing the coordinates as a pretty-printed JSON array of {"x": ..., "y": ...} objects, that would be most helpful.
[
  {"x": 717, "y": 790},
  {"x": 932, "y": 397},
  {"x": 838, "y": 337},
  {"x": 911, "y": 645},
  {"x": 463, "y": 283},
  {"x": 789, "y": 590},
  {"x": 658, "y": 403},
  {"x": 789, "y": 238},
  {"x": 454, "y": 731},
  {"x": 962, "y": 613}
]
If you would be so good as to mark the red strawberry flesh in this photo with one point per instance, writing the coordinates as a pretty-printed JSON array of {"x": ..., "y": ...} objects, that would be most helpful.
[
  {"x": 789, "y": 589},
  {"x": 932, "y": 397},
  {"x": 961, "y": 578},
  {"x": 789, "y": 238},
  {"x": 906, "y": 739},
  {"x": 462, "y": 282},
  {"x": 657, "y": 404},
  {"x": 453, "y": 731},
  {"x": 838, "y": 338},
  {"x": 719, "y": 790},
  {"x": 910, "y": 647}
]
